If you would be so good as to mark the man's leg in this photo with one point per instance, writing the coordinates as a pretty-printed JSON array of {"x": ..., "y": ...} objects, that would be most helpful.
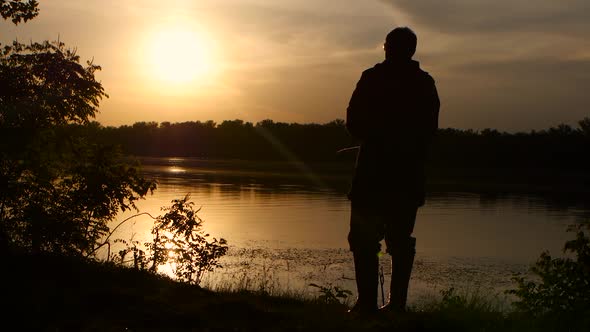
[
  {"x": 365, "y": 234},
  {"x": 402, "y": 248}
]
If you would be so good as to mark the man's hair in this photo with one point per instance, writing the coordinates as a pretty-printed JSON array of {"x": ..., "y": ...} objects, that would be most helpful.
[{"x": 401, "y": 43}]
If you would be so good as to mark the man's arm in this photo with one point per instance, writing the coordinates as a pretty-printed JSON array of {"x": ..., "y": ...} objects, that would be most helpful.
[
  {"x": 435, "y": 106},
  {"x": 431, "y": 107},
  {"x": 356, "y": 113}
]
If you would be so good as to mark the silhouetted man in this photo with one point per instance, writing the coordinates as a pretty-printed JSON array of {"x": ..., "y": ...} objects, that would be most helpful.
[{"x": 393, "y": 112}]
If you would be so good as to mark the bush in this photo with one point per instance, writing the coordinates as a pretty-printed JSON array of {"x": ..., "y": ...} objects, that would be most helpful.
[
  {"x": 178, "y": 239},
  {"x": 331, "y": 294},
  {"x": 562, "y": 285}
]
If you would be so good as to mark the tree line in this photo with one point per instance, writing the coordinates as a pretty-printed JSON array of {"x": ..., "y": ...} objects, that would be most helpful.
[{"x": 562, "y": 147}]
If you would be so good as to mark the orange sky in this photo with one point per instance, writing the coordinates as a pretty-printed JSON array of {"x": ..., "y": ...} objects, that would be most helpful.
[{"x": 511, "y": 65}]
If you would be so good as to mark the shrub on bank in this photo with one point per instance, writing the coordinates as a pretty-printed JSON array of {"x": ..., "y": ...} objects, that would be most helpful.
[{"x": 559, "y": 295}]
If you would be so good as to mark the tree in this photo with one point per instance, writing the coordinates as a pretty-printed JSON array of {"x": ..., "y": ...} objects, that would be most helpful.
[
  {"x": 44, "y": 85},
  {"x": 60, "y": 188},
  {"x": 19, "y": 10}
]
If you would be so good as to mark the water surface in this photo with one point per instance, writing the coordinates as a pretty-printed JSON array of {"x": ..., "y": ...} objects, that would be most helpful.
[{"x": 288, "y": 230}]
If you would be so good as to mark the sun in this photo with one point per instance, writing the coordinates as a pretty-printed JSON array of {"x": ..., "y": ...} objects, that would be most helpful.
[{"x": 179, "y": 55}]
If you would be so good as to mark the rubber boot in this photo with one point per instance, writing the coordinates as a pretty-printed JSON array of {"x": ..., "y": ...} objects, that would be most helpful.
[
  {"x": 402, "y": 262},
  {"x": 366, "y": 267}
]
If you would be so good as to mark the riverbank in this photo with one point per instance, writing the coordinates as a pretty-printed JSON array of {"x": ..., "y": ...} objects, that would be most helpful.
[{"x": 49, "y": 293}]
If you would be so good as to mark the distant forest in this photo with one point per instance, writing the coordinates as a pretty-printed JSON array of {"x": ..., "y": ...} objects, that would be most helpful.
[{"x": 561, "y": 148}]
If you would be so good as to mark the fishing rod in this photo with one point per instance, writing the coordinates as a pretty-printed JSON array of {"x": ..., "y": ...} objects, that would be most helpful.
[
  {"x": 349, "y": 149},
  {"x": 382, "y": 281}
]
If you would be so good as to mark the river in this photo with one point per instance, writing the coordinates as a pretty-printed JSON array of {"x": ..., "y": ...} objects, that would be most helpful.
[{"x": 285, "y": 233}]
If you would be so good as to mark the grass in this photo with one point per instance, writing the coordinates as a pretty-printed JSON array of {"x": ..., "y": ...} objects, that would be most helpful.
[{"x": 48, "y": 293}]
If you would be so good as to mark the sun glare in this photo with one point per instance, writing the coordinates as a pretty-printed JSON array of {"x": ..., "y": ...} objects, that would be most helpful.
[{"x": 179, "y": 55}]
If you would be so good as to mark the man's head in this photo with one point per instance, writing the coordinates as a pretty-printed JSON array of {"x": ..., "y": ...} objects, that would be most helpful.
[{"x": 400, "y": 44}]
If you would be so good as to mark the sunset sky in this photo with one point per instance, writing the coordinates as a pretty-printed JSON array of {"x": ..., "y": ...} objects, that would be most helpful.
[{"x": 505, "y": 64}]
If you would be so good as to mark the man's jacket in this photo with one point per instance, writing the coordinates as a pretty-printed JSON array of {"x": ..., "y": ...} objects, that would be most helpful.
[{"x": 393, "y": 112}]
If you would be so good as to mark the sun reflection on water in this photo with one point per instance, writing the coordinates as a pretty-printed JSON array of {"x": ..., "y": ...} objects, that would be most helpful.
[{"x": 176, "y": 170}]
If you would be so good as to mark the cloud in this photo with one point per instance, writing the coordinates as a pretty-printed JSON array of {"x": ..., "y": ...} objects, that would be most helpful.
[
  {"x": 489, "y": 16},
  {"x": 303, "y": 27},
  {"x": 516, "y": 95}
]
